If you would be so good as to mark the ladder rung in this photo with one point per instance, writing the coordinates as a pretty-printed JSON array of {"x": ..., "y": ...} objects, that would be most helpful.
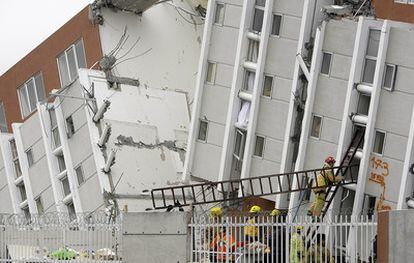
[
  {"x": 250, "y": 65},
  {"x": 360, "y": 119},
  {"x": 253, "y": 36},
  {"x": 245, "y": 96},
  {"x": 364, "y": 88}
]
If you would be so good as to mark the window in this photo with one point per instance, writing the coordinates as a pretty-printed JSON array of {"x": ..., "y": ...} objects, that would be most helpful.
[
  {"x": 79, "y": 174},
  {"x": 258, "y": 15},
  {"x": 253, "y": 51},
  {"x": 259, "y": 147},
  {"x": 248, "y": 80},
  {"x": 316, "y": 127},
  {"x": 202, "y": 130},
  {"x": 326, "y": 63},
  {"x": 55, "y": 129},
  {"x": 22, "y": 191},
  {"x": 30, "y": 93},
  {"x": 3, "y": 122},
  {"x": 389, "y": 77},
  {"x": 71, "y": 211},
  {"x": 371, "y": 56},
  {"x": 211, "y": 72},
  {"x": 267, "y": 86},
  {"x": 369, "y": 71},
  {"x": 30, "y": 159},
  {"x": 277, "y": 21},
  {"x": 363, "y": 104},
  {"x": 26, "y": 213},
  {"x": 70, "y": 127},
  {"x": 15, "y": 158},
  {"x": 219, "y": 17},
  {"x": 239, "y": 144},
  {"x": 379, "y": 142},
  {"x": 39, "y": 205},
  {"x": 61, "y": 163},
  {"x": 65, "y": 186},
  {"x": 70, "y": 61}
]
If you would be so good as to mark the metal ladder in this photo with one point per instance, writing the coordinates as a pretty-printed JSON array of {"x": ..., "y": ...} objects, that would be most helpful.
[
  {"x": 217, "y": 192},
  {"x": 352, "y": 151}
]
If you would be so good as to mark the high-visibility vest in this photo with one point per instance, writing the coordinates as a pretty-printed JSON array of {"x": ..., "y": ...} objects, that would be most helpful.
[
  {"x": 251, "y": 230},
  {"x": 222, "y": 246}
]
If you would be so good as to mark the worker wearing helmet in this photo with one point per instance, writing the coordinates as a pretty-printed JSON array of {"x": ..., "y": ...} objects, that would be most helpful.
[
  {"x": 251, "y": 231},
  {"x": 323, "y": 180},
  {"x": 216, "y": 212},
  {"x": 275, "y": 212},
  {"x": 277, "y": 240},
  {"x": 222, "y": 244},
  {"x": 297, "y": 247}
]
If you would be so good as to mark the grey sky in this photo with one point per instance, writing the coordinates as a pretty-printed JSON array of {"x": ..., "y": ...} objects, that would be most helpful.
[{"x": 24, "y": 24}]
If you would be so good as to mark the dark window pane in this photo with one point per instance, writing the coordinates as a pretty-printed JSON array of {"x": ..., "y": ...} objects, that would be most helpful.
[
  {"x": 258, "y": 20},
  {"x": 369, "y": 71},
  {"x": 202, "y": 132},
  {"x": 277, "y": 21},
  {"x": 80, "y": 54},
  {"x": 258, "y": 149},
  {"x": 326, "y": 63}
]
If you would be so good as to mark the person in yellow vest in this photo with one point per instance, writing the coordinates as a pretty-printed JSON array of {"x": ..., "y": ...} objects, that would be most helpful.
[
  {"x": 251, "y": 231},
  {"x": 297, "y": 246},
  {"x": 319, "y": 253},
  {"x": 323, "y": 180}
]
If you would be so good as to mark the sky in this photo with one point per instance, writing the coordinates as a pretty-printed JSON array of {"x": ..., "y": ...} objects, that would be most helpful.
[{"x": 24, "y": 24}]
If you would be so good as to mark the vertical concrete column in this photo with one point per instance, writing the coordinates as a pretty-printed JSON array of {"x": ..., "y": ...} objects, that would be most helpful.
[
  {"x": 198, "y": 95},
  {"x": 305, "y": 29},
  {"x": 71, "y": 174},
  {"x": 50, "y": 157},
  {"x": 24, "y": 166},
  {"x": 10, "y": 171}
]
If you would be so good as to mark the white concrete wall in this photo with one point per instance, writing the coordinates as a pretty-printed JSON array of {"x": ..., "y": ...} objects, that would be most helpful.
[{"x": 174, "y": 42}]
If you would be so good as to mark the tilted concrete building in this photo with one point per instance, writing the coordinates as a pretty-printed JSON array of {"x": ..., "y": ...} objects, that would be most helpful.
[
  {"x": 136, "y": 109},
  {"x": 284, "y": 84}
]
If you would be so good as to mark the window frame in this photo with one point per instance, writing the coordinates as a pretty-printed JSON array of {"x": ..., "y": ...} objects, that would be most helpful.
[
  {"x": 61, "y": 160},
  {"x": 271, "y": 86},
  {"x": 383, "y": 143},
  {"x": 30, "y": 158},
  {"x": 263, "y": 147},
  {"x": 370, "y": 57},
  {"x": 65, "y": 52},
  {"x": 393, "y": 77},
  {"x": 24, "y": 86},
  {"x": 240, "y": 154},
  {"x": 70, "y": 131},
  {"x": 320, "y": 128},
  {"x": 280, "y": 25},
  {"x": 38, "y": 200},
  {"x": 5, "y": 126},
  {"x": 15, "y": 158},
  {"x": 330, "y": 63},
  {"x": 213, "y": 74},
  {"x": 261, "y": 8},
  {"x": 65, "y": 178},
  {"x": 199, "y": 129},
  {"x": 77, "y": 175},
  {"x": 223, "y": 10}
]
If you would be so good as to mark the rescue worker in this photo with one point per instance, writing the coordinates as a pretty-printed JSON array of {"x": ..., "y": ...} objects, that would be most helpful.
[
  {"x": 251, "y": 231},
  {"x": 277, "y": 241},
  {"x": 297, "y": 247},
  {"x": 323, "y": 180},
  {"x": 319, "y": 253},
  {"x": 222, "y": 244}
]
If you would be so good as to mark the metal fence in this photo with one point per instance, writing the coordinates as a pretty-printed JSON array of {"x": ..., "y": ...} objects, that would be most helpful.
[
  {"x": 272, "y": 239},
  {"x": 59, "y": 237}
]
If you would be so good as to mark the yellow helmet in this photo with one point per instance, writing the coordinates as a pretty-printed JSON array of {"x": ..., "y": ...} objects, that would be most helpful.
[
  {"x": 255, "y": 209},
  {"x": 299, "y": 228},
  {"x": 275, "y": 212},
  {"x": 216, "y": 212}
]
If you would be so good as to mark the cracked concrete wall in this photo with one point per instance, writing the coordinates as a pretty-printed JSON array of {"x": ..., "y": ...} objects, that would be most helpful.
[
  {"x": 149, "y": 132},
  {"x": 175, "y": 43}
]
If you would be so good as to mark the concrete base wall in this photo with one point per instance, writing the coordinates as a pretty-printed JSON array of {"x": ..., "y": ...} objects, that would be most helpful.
[
  {"x": 155, "y": 237},
  {"x": 395, "y": 236}
]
